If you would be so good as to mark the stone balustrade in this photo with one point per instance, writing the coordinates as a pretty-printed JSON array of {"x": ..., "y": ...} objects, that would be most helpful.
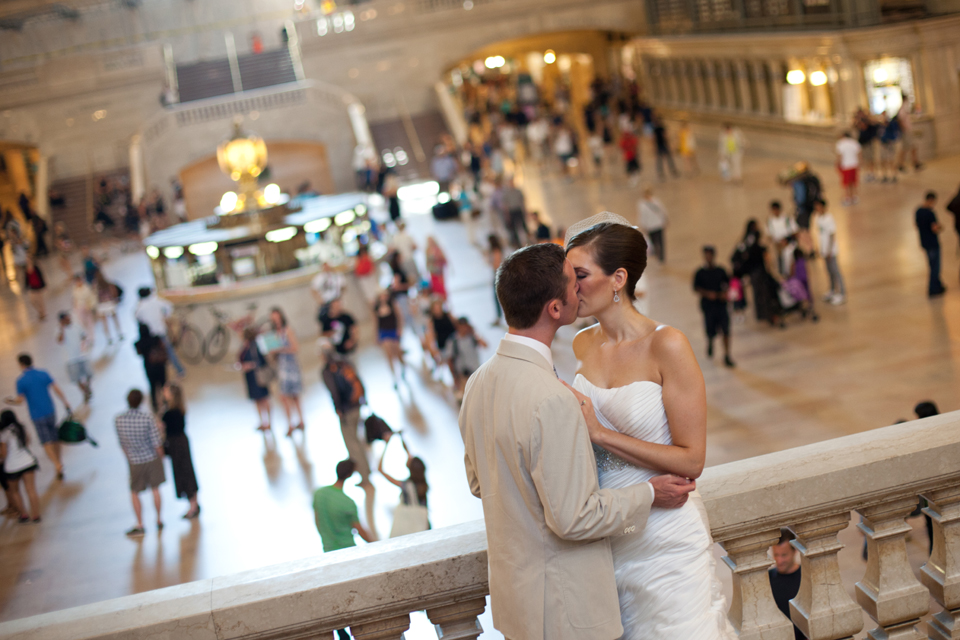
[{"x": 811, "y": 490}]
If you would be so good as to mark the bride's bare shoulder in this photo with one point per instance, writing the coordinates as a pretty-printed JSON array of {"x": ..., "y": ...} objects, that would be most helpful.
[{"x": 584, "y": 339}]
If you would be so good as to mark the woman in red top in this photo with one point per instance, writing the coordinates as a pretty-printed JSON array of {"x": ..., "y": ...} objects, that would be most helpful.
[
  {"x": 366, "y": 272},
  {"x": 34, "y": 284}
]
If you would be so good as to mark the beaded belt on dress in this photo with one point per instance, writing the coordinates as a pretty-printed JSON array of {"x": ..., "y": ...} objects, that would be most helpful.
[{"x": 607, "y": 461}]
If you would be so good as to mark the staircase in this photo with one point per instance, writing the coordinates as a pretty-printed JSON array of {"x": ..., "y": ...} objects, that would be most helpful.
[
  {"x": 258, "y": 70},
  {"x": 212, "y": 78},
  {"x": 205, "y": 79},
  {"x": 76, "y": 211}
]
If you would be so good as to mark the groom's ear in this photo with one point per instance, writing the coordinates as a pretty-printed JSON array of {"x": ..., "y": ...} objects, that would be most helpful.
[{"x": 553, "y": 308}]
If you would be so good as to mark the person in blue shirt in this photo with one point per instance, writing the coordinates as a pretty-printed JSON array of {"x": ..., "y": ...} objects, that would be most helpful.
[{"x": 33, "y": 387}]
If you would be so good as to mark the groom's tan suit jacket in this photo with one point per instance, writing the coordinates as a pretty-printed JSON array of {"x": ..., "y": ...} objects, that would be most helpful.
[{"x": 528, "y": 457}]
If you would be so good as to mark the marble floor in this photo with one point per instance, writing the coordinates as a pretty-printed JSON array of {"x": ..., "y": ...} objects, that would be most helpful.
[{"x": 864, "y": 365}]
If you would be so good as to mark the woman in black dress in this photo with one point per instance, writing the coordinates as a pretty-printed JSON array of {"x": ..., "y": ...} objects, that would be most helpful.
[
  {"x": 249, "y": 361},
  {"x": 178, "y": 448},
  {"x": 752, "y": 256},
  {"x": 440, "y": 329}
]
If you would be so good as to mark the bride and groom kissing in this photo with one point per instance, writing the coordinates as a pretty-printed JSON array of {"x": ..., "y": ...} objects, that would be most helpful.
[{"x": 581, "y": 544}]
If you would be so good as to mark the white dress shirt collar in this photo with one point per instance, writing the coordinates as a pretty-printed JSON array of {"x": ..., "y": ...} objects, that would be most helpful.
[{"x": 536, "y": 345}]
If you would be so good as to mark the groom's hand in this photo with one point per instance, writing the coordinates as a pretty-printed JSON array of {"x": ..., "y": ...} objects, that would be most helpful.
[{"x": 670, "y": 491}]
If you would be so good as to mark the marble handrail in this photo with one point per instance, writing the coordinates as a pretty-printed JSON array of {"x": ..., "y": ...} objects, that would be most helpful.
[{"x": 811, "y": 489}]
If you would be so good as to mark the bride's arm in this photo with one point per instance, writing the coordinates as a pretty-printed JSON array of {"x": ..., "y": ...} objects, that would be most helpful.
[{"x": 685, "y": 401}]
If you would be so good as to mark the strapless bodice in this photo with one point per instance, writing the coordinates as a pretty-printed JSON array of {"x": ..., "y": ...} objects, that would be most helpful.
[{"x": 635, "y": 410}]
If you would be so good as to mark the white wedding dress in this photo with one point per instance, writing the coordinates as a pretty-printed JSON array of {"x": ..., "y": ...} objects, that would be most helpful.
[{"x": 665, "y": 572}]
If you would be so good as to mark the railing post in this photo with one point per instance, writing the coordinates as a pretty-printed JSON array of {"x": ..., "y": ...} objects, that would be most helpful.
[
  {"x": 753, "y": 611},
  {"x": 387, "y": 629},
  {"x": 822, "y": 608},
  {"x": 941, "y": 574},
  {"x": 889, "y": 591},
  {"x": 458, "y": 621}
]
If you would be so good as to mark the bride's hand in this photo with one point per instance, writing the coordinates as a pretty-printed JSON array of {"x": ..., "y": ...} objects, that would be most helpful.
[{"x": 586, "y": 407}]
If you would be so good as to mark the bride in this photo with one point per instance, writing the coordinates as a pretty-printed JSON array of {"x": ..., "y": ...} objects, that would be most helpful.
[{"x": 645, "y": 386}]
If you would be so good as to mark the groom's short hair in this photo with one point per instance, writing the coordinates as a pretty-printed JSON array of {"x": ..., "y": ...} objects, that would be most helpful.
[{"x": 528, "y": 280}]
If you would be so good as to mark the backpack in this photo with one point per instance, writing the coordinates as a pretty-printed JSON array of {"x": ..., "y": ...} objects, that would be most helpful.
[
  {"x": 813, "y": 190},
  {"x": 346, "y": 382}
]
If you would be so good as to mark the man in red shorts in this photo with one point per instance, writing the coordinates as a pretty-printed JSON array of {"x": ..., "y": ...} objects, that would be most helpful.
[{"x": 848, "y": 161}]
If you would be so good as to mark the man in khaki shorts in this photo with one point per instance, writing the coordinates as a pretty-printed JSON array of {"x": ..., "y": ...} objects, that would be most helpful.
[{"x": 141, "y": 444}]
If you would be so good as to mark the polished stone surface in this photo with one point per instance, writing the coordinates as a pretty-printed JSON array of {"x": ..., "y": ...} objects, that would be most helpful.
[{"x": 863, "y": 366}]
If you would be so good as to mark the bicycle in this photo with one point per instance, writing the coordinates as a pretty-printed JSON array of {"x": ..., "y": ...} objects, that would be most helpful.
[
  {"x": 193, "y": 347},
  {"x": 185, "y": 338}
]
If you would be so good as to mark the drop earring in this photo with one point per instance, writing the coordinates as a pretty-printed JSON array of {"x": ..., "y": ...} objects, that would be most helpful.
[{"x": 616, "y": 296}]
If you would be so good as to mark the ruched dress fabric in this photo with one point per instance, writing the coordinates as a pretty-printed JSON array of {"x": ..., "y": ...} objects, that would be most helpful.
[{"x": 666, "y": 572}]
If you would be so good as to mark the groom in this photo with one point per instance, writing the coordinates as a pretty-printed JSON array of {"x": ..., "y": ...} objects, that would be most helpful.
[{"x": 529, "y": 458}]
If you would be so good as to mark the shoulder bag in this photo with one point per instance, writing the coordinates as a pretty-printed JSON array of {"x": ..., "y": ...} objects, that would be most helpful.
[{"x": 409, "y": 518}]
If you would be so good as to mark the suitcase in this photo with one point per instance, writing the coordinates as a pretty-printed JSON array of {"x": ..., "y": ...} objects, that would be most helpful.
[{"x": 446, "y": 211}]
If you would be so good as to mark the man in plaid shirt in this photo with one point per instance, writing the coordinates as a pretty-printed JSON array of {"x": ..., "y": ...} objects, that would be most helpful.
[{"x": 141, "y": 444}]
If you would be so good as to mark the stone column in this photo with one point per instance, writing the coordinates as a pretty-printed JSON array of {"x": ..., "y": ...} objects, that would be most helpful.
[
  {"x": 726, "y": 77},
  {"x": 759, "y": 69},
  {"x": 889, "y": 592},
  {"x": 752, "y": 609},
  {"x": 822, "y": 608},
  {"x": 458, "y": 621},
  {"x": 941, "y": 574},
  {"x": 388, "y": 629},
  {"x": 653, "y": 91},
  {"x": 776, "y": 88},
  {"x": 679, "y": 81},
  {"x": 743, "y": 81},
  {"x": 137, "y": 177},
  {"x": 712, "y": 84},
  {"x": 697, "y": 87},
  {"x": 673, "y": 87}
]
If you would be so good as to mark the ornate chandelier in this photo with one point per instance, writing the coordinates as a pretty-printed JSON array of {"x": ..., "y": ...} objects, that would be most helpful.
[{"x": 243, "y": 157}]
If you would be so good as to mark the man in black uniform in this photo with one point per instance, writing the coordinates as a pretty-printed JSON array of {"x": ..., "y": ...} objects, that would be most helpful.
[
  {"x": 785, "y": 577},
  {"x": 711, "y": 282}
]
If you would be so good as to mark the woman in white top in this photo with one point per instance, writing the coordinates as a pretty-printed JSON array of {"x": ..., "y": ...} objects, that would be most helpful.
[
  {"x": 19, "y": 463},
  {"x": 643, "y": 382}
]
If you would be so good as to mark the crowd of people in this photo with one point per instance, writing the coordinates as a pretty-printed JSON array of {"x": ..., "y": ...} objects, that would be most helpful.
[{"x": 406, "y": 293}]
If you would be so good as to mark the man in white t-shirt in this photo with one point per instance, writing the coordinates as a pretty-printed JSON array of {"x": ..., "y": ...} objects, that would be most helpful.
[
  {"x": 327, "y": 285},
  {"x": 783, "y": 233},
  {"x": 848, "y": 162},
  {"x": 153, "y": 311},
  {"x": 827, "y": 232}
]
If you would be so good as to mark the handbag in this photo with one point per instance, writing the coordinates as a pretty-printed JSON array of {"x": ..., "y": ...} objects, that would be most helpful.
[
  {"x": 264, "y": 375},
  {"x": 72, "y": 431},
  {"x": 409, "y": 516}
]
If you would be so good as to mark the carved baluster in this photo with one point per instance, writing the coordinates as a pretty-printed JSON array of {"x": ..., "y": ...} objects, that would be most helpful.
[
  {"x": 822, "y": 609},
  {"x": 889, "y": 591},
  {"x": 458, "y": 621},
  {"x": 386, "y": 629},
  {"x": 752, "y": 609},
  {"x": 941, "y": 574}
]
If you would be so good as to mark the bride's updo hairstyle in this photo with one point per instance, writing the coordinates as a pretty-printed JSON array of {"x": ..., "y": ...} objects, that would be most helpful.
[{"x": 615, "y": 246}]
